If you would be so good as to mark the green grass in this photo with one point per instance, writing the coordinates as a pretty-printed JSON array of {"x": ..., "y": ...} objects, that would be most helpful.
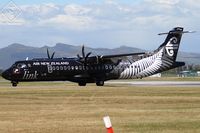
[{"x": 67, "y": 108}]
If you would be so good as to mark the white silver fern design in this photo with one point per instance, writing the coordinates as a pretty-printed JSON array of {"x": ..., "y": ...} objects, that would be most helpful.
[{"x": 144, "y": 67}]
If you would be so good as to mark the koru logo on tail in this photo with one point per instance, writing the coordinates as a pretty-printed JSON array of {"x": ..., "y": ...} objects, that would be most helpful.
[{"x": 171, "y": 45}]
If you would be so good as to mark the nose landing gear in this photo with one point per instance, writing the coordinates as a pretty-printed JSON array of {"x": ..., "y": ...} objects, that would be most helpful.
[
  {"x": 82, "y": 83},
  {"x": 14, "y": 83}
]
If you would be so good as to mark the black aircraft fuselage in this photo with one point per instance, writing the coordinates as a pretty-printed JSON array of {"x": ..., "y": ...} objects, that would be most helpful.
[
  {"x": 97, "y": 69},
  {"x": 62, "y": 69}
]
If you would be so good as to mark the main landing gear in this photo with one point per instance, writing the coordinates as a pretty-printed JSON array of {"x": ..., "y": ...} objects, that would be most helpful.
[
  {"x": 98, "y": 83},
  {"x": 82, "y": 84},
  {"x": 14, "y": 83}
]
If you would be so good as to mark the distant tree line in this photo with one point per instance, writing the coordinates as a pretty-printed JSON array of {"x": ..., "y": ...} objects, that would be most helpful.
[{"x": 187, "y": 67}]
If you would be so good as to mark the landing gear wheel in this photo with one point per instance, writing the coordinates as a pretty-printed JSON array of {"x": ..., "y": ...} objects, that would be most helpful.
[
  {"x": 82, "y": 84},
  {"x": 14, "y": 83},
  {"x": 99, "y": 83}
]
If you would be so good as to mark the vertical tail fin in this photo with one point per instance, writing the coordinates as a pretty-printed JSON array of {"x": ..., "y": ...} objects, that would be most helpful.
[
  {"x": 170, "y": 48},
  {"x": 171, "y": 43}
]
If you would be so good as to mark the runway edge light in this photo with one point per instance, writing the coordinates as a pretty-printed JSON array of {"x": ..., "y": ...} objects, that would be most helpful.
[{"x": 108, "y": 124}]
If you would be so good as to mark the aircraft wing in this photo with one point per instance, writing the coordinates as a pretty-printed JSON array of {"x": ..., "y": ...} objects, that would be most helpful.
[
  {"x": 107, "y": 58},
  {"x": 87, "y": 59},
  {"x": 120, "y": 55}
]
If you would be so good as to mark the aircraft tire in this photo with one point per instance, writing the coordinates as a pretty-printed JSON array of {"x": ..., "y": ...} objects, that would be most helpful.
[
  {"x": 14, "y": 84},
  {"x": 82, "y": 84},
  {"x": 100, "y": 83}
]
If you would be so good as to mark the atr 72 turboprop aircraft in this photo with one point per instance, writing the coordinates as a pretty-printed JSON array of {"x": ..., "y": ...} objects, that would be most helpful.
[{"x": 97, "y": 69}]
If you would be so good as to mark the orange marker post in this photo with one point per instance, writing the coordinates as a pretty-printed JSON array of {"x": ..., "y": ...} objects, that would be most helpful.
[{"x": 108, "y": 124}]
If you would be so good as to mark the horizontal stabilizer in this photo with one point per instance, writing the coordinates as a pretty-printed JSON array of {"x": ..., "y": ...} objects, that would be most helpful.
[
  {"x": 165, "y": 33},
  {"x": 178, "y": 64}
]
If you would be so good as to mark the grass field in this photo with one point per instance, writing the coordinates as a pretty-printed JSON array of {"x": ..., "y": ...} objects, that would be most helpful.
[{"x": 60, "y": 107}]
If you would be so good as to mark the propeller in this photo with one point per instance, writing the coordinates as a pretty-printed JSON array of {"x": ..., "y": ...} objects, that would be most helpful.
[
  {"x": 48, "y": 54},
  {"x": 84, "y": 56}
]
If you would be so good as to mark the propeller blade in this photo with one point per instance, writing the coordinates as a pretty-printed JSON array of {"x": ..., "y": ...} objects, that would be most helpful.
[
  {"x": 48, "y": 53},
  {"x": 83, "y": 51},
  {"x": 98, "y": 57},
  {"x": 52, "y": 55},
  {"x": 85, "y": 59},
  {"x": 78, "y": 56},
  {"x": 88, "y": 54}
]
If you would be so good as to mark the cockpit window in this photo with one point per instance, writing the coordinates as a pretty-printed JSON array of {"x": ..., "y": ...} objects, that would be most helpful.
[
  {"x": 16, "y": 71},
  {"x": 14, "y": 65},
  {"x": 21, "y": 65}
]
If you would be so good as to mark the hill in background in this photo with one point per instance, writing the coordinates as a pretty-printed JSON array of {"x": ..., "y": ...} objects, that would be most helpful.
[{"x": 15, "y": 52}]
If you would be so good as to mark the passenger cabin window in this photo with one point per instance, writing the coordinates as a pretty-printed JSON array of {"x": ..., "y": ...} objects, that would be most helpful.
[
  {"x": 65, "y": 68},
  {"x": 110, "y": 67},
  {"x": 106, "y": 67},
  {"x": 76, "y": 67},
  {"x": 14, "y": 65},
  {"x": 80, "y": 67},
  {"x": 68, "y": 67}
]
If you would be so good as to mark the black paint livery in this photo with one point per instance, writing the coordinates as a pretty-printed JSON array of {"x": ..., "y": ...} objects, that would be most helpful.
[{"x": 97, "y": 69}]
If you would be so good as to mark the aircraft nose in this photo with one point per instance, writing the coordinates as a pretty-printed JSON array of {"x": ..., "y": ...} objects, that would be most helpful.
[{"x": 6, "y": 75}]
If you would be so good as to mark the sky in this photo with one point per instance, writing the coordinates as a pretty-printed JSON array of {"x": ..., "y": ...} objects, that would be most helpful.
[{"x": 98, "y": 23}]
